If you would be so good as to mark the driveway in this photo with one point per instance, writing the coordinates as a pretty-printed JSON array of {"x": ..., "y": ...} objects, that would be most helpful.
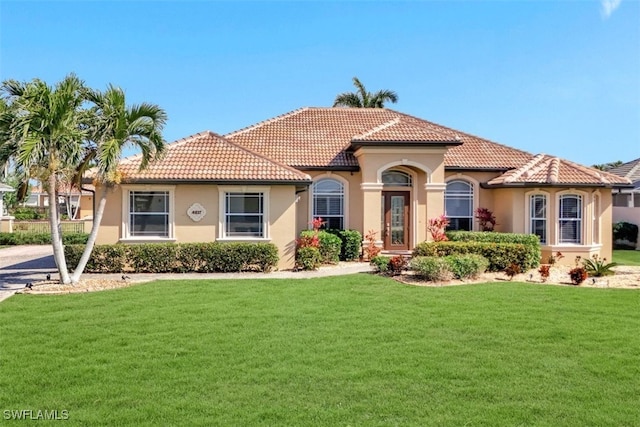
[{"x": 22, "y": 264}]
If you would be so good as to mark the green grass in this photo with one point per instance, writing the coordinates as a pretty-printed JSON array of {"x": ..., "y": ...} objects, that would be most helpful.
[
  {"x": 354, "y": 350},
  {"x": 626, "y": 257}
]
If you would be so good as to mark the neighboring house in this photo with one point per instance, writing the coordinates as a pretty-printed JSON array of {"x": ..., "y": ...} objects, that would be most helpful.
[
  {"x": 626, "y": 201},
  {"x": 72, "y": 202},
  {"x": 364, "y": 169},
  {"x": 4, "y": 188}
]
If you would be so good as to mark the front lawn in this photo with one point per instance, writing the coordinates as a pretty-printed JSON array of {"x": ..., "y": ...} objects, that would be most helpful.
[
  {"x": 626, "y": 256},
  {"x": 353, "y": 350}
]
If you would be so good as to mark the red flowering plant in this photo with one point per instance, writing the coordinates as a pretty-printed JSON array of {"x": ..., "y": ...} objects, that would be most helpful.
[
  {"x": 311, "y": 241},
  {"x": 437, "y": 227},
  {"x": 486, "y": 219},
  {"x": 371, "y": 250}
]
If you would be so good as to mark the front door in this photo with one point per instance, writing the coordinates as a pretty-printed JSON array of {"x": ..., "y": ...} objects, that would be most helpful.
[{"x": 395, "y": 217}]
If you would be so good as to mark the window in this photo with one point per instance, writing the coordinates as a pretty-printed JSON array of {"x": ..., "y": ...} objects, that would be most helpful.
[
  {"x": 458, "y": 199},
  {"x": 328, "y": 203},
  {"x": 570, "y": 219},
  {"x": 396, "y": 179},
  {"x": 244, "y": 215},
  {"x": 149, "y": 214},
  {"x": 538, "y": 216}
]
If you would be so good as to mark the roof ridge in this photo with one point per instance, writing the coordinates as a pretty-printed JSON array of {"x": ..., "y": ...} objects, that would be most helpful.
[
  {"x": 265, "y": 122},
  {"x": 378, "y": 128},
  {"x": 635, "y": 168},
  {"x": 554, "y": 170},
  {"x": 517, "y": 173}
]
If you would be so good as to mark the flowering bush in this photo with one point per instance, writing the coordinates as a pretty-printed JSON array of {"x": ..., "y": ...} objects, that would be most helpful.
[
  {"x": 578, "y": 275},
  {"x": 371, "y": 250},
  {"x": 437, "y": 227},
  {"x": 545, "y": 271}
]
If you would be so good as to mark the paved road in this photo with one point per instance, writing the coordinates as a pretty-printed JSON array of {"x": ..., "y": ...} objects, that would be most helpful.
[{"x": 22, "y": 264}]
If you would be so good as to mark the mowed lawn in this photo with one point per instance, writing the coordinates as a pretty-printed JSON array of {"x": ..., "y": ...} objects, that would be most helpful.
[
  {"x": 354, "y": 350},
  {"x": 626, "y": 256}
]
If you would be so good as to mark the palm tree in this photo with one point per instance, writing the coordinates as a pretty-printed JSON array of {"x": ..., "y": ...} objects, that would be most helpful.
[
  {"x": 113, "y": 126},
  {"x": 45, "y": 139},
  {"x": 363, "y": 99}
]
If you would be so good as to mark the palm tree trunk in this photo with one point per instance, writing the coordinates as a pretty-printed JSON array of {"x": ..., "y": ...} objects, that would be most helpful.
[
  {"x": 56, "y": 234},
  {"x": 91, "y": 241}
]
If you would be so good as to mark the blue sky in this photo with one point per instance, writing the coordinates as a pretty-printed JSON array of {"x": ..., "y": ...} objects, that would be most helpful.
[{"x": 555, "y": 77}]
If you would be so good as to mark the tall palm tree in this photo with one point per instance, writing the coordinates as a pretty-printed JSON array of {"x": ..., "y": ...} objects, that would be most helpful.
[
  {"x": 363, "y": 99},
  {"x": 113, "y": 126},
  {"x": 45, "y": 139}
]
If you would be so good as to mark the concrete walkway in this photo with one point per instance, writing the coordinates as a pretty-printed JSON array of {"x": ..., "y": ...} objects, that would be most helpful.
[{"x": 22, "y": 264}]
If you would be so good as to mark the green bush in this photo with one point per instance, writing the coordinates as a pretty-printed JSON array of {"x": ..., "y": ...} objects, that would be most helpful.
[
  {"x": 351, "y": 244},
  {"x": 431, "y": 268},
  {"x": 330, "y": 245},
  {"x": 499, "y": 255},
  {"x": 23, "y": 213},
  {"x": 308, "y": 258},
  {"x": 467, "y": 266},
  {"x": 11, "y": 239},
  {"x": 381, "y": 263},
  {"x": 172, "y": 257},
  {"x": 625, "y": 231}
]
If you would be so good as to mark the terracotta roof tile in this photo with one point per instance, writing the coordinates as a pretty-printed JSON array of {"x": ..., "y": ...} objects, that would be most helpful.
[
  {"x": 207, "y": 156},
  {"x": 549, "y": 170},
  {"x": 319, "y": 138}
]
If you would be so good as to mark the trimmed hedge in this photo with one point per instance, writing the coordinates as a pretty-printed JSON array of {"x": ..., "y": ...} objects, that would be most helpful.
[
  {"x": 499, "y": 255},
  {"x": 351, "y": 244},
  {"x": 625, "y": 231},
  {"x": 10, "y": 239},
  {"x": 431, "y": 268},
  {"x": 177, "y": 257},
  {"x": 453, "y": 266},
  {"x": 493, "y": 237}
]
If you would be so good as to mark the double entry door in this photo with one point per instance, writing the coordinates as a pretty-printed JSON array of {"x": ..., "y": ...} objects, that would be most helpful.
[{"x": 395, "y": 220}]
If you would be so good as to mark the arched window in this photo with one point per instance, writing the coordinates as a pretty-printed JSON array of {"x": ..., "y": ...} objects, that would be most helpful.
[
  {"x": 538, "y": 216},
  {"x": 328, "y": 203},
  {"x": 394, "y": 178},
  {"x": 458, "y": 199},
  {"x": 570, "y": 218}
]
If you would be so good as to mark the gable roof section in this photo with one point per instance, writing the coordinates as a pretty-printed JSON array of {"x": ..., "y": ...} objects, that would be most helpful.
[
  {"x": 319, "y": 138},
  {"x": 629, "y": 170},
  {"x": 547, "y": 170},
  {"x": 208, "y": 157}
]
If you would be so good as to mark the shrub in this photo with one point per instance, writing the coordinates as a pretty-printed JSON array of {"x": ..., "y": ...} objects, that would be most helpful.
[
  {"x": 328, "y": 244},
  {"x": 486, "y": 219},
  {"x": 397, "y": 264},
  {"x": 23, "y": 213},
  {"x": 431, "y": 268},
  {"x": 351, "y": 244},
  {"x": 308, "y": 258},
  {"x": 625, "y": 231},
  {"x": 545, "y": 272},
  {"x": 437, "y": 227},
  {"x": 578, "y": 275},
  {"x": 598, "y": 267},
  {"x": 381, "y": 263},
  {"x": 467, "y": 266},
  {"x": 499, "y": 255},
  {"x": 10, "y": 239},
  {"x": 371, "y": 250},
  {"x": 512, "y": 270},
  {"x": 171, "y": 257}
]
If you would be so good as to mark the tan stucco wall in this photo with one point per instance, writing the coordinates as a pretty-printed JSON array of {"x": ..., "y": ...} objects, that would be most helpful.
[{"x": 281, "y": 205}]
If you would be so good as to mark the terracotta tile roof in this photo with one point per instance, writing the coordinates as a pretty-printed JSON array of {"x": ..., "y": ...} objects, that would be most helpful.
[
  {"x": 319, "y": 138},
  {"x": 549, "y": 170},
  {"x": 207, "y": 156},
  {"x": 630, "y": 170}
]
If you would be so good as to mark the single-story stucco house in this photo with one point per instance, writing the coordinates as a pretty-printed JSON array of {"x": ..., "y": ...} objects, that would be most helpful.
[{"x": 364, "y": 169}]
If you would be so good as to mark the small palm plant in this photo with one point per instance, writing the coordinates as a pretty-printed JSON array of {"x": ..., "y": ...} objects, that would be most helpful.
[{"x": 598, "y": 267}]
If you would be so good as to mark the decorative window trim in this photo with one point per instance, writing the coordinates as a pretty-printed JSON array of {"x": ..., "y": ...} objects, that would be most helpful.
[
  {"x": 345, "y": 195},
  {"x": 596, "y": 213},
  {"x": 474, "y": 186},
  {"x": 222, "y": 223},
  {"x": 584, "y": 215},
  {"x": 125, "y": 234},
  {"x": 528, "y": 217}
]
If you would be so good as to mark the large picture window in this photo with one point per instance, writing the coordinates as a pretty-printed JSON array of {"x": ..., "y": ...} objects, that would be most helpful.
[
  {"x": 328, "y": 203},
  {"x": 458, "y": 198},
  {"x": 244, "y": 215},
  {"x": 570, "y": 218},
  {"x": 149, "y": 214},
  {"x": 538, "y": 216}
]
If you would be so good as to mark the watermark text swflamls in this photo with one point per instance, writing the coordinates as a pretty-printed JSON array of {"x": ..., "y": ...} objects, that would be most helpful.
[{"x": 35, "y": 414}]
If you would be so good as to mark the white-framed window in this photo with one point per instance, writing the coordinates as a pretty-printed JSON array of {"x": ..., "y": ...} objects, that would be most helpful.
[
  {"x": 570, "y": 219},
  {"x": 458, "y": 200},
  {"x": 329, "y": 203},
  {"x": 538, "y": 216},
  {"x": 149, "y": 214},
  {"x": 596, "y": 218},
  {"x": 244, "y": 215}
]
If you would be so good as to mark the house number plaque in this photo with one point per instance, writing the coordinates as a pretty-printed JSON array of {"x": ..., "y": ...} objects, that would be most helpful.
[{"x": 196, "y": 212}]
